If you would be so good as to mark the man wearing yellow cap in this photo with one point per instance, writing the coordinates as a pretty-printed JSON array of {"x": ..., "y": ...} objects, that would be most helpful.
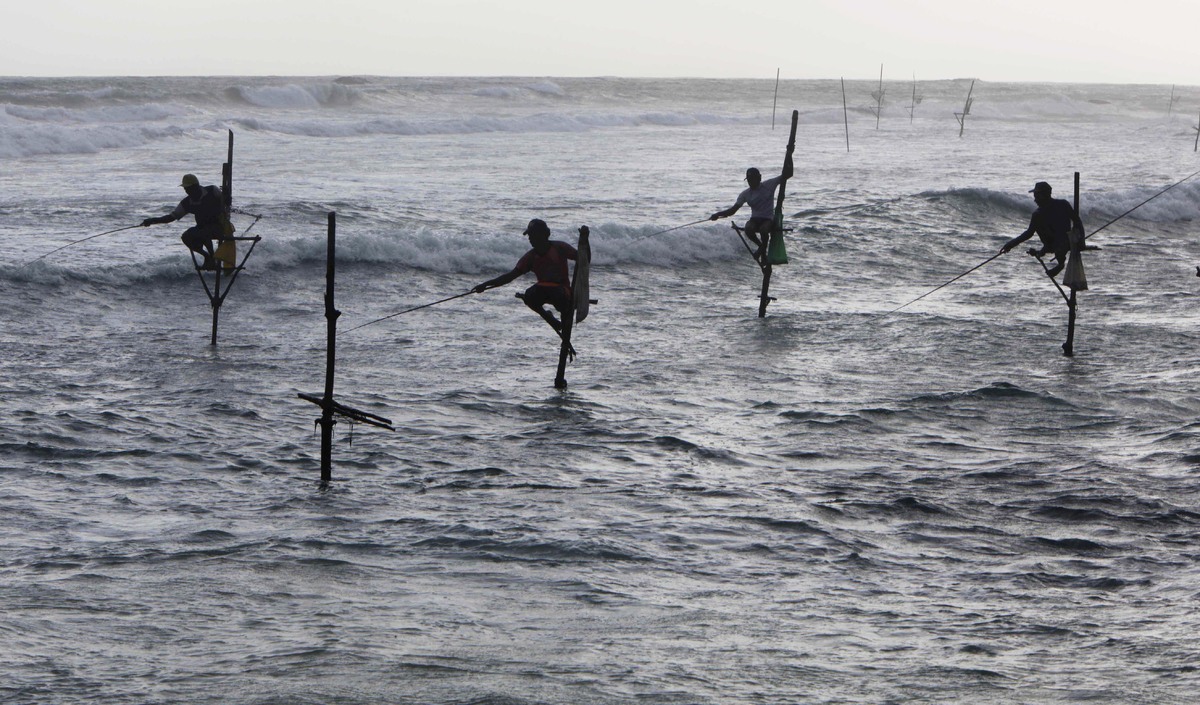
[{"x": 205, "y": 203}]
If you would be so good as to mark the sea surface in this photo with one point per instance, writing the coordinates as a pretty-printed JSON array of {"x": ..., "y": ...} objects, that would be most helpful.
[{"x": 837, "y": 503}]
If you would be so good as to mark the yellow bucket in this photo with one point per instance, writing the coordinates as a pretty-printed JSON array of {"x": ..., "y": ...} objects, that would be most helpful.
[{"x": 227, "y": 254}]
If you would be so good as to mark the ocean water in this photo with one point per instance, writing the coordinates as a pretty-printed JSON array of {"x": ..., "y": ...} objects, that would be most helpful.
[{"x": 827, "y": 505}]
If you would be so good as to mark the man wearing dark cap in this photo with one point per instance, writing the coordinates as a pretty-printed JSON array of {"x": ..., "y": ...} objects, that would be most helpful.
[
  {"x": 761, "y": 197},
  {"x": 1052, "y": 221},
  {"x": 548, "y": 261},
  {"x": 206, "y": 204}
]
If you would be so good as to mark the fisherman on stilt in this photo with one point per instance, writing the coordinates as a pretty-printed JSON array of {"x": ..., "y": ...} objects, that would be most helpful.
[
  {"x": 548, "y": 261},
  {"x": 761, "y": 197},
  {"x": 1058, "y": 226},
  {"x": 206, "y": 204}
]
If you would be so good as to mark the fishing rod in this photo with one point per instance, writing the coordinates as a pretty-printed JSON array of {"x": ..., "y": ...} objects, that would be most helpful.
[
  {"x": 414, "y": 308},
  {"x": 677, "y": 227},
  {"x": 110, "y": 232},
  {"x": 1177, "y": 183},
  {"x": 972, "y": 269}
]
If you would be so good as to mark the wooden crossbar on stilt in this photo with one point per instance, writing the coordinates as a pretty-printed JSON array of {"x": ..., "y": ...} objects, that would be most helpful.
[{"x": 330, "y": 407}]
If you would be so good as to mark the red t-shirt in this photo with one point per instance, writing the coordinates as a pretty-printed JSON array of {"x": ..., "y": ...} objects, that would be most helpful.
[{"x": 550, "y": 268}]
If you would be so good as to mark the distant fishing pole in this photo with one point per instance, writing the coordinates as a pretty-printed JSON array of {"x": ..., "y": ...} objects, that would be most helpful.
[
  {"x": 90, "y": 237},
  {"x": 410, "y": 310},
  {"x": 677, "y": 227}
]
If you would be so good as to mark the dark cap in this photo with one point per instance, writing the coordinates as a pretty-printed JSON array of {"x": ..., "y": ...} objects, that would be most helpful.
[
  {"x": 753, "y": 171},
  {"x": 537, "y": 226},
  {"x": 1041, "y": 187}
]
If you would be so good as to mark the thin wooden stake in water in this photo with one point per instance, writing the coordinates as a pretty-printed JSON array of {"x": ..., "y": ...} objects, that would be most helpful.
[
  {"x": 1069, "y": 346},
  {"x": 329, "y": 407},
  {"x": 1173, "y": 99},
  {"x": 331, "y": 316},
  {"x": 962, "y": 117},
  {"x": 226, "y": 205},
  {"x": 1197, "y": 129},
  {"x": 775, "y": 100},
  {"x": 878, "y": 96},
  {"x": 845, "y": 115},
  {"x": 912, "y": 108}
]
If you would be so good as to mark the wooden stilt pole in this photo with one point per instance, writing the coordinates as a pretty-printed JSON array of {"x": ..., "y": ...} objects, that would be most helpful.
[
  {"x": 565, "y": 351},
  {"x": 912, "y": 107},
  {"x": 962, "y": 117},
  {"x": 764, "y": 296},
  {"x": 217, "y": 297},
  {"x": 1069, "y": 346},
  {"x": 328, "y": 405},
  {"x": 845, "y": 115},
  {"x": 331, "y": 316},
  {"x": 1196, "y": 146},
  {"x": 775, "y": 100}
]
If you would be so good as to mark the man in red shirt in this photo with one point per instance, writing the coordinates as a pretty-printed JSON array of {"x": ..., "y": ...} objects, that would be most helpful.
[{"x": 548, "y": 261}]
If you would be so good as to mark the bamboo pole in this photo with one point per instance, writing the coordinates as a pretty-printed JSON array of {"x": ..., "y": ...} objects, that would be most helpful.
[
  {"x": 1069, "y": 346},
  {"x": 216, "y": 297},
  {"x": 775, "y": 100},
  {"x": 879, "y": 98},
  {"x": 331, "y": 316},
  {"x": 845, "y": 115},
  {"x": 962, "y": 117},
  {"x": 764, "y": 297}
]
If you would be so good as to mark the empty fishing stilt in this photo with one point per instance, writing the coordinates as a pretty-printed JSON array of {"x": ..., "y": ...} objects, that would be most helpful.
[
  {"x": 962, "y": 117},
  {"x": 329, "y": 407},
  {"x": 845, "y": 115},
  {"x": 878, "y": 96},
  {"x": 916, "y": 99},
  {"x": 775, "y": 100}
]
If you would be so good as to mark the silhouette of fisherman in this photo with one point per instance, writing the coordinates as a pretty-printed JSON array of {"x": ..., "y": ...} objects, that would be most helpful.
[
  {"x": 1052, "y": 222},
  {"x": 761, "y": 197},
  {"x": 548, "y": 261},
  {"x": 206, "y": 204}
]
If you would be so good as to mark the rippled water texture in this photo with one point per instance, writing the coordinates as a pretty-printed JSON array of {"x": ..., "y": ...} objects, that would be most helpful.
[{"x": 833, "y": 504}]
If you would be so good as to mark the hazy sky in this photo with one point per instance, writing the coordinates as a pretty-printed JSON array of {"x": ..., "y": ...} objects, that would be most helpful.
[{"x": 1152, "y": 41}]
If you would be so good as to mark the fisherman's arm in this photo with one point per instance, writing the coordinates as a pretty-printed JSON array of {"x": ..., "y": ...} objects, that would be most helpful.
[
  {"x": 171, "y": 217},
  {"x": 498, "y": 281},
  {"x": 728, "y": 211},
  {"x": 1023, "y": 236}
]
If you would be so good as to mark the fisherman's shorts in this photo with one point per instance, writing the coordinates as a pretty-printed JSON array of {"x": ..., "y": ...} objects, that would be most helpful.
[{"x": 539, "y": 295}]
